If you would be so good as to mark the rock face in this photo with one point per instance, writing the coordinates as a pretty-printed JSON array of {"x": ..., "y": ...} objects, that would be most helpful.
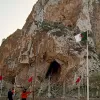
[
  {"x": 95, "y": 25},
  {"x": 9, "y": 53},
  {"x": 45, "y": 47}
]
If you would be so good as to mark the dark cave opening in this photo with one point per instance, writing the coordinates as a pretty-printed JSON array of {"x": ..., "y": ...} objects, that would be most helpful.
[{"x": 54, "y": 69}]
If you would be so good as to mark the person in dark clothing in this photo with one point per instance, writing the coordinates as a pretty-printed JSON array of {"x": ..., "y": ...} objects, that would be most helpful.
[{"x": 10, "y": 94}]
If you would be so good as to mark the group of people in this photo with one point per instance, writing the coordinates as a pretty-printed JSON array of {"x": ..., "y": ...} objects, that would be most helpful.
[{"x": 24, "y": 94}]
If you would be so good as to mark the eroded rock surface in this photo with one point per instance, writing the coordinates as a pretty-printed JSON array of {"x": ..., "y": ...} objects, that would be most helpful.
[{"x": 47, "y": 39}]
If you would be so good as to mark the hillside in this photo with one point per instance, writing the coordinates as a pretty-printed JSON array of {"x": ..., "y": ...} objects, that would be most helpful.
[{"x": 45, "y": 47}]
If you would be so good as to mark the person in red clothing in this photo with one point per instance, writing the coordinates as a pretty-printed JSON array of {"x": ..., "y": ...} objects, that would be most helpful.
[
  {"x": 24, "y": 94},
  {"x": 13, "y": 91}
]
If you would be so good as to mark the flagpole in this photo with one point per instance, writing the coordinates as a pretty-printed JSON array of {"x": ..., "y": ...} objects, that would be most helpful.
[
  {"x": 33, "y": 81},
  {"x": 49, "y": 87},
  {"x": 34, "y": 77},
  {"x": 82, "y": 85},
  {"x": 87, "y": 71},
  {"x": 37, "y": 52},
  {"x": 64, "y": 89},
  {"x": 79, "y": 91},
  {"x": 1, "y": 88}
]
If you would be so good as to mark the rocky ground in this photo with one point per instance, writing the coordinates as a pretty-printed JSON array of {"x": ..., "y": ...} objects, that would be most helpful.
[{"x": 67, "y": 98}]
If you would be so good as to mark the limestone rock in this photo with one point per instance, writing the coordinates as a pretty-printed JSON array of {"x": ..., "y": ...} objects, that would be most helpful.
[{"x": 47, "y": 39}]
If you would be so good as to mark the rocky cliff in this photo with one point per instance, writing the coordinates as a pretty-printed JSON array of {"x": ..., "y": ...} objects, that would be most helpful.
[{"x": 46, "y": 46}]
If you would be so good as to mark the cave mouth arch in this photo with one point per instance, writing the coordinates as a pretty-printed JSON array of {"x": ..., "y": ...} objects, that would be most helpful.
[{"x": 53, "y": 70}]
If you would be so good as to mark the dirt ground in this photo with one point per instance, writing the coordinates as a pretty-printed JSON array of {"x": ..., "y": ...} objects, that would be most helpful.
[{"x": 67, "y": 98}]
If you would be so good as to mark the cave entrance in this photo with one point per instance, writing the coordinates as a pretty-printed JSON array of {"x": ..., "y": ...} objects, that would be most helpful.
[{"x": 53, "y": 70}]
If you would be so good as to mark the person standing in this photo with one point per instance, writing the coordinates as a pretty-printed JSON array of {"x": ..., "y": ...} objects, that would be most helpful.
[
  {"x": 10, "y": 94},
  {"x": 24, "y": 94}
]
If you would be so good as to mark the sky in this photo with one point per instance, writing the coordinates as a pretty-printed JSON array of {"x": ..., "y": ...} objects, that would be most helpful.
[{"x": 13, "y": 14}]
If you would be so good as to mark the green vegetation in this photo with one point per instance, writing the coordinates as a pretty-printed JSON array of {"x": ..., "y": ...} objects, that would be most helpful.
[
  {"x": 57, "y": 28},
  {"x": 49, "y": 25}
]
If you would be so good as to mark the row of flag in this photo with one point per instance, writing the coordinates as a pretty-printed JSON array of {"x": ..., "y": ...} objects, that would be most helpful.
[
  {"x": 31, "y": 78},
  {"x": 77, "y": 80}
]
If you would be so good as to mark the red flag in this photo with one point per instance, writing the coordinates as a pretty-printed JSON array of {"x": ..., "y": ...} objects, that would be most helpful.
[
  {"x": 78, "y": 80},
  {"x": 30, "y": 79},
  {"x": 1, "y": 78}
]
